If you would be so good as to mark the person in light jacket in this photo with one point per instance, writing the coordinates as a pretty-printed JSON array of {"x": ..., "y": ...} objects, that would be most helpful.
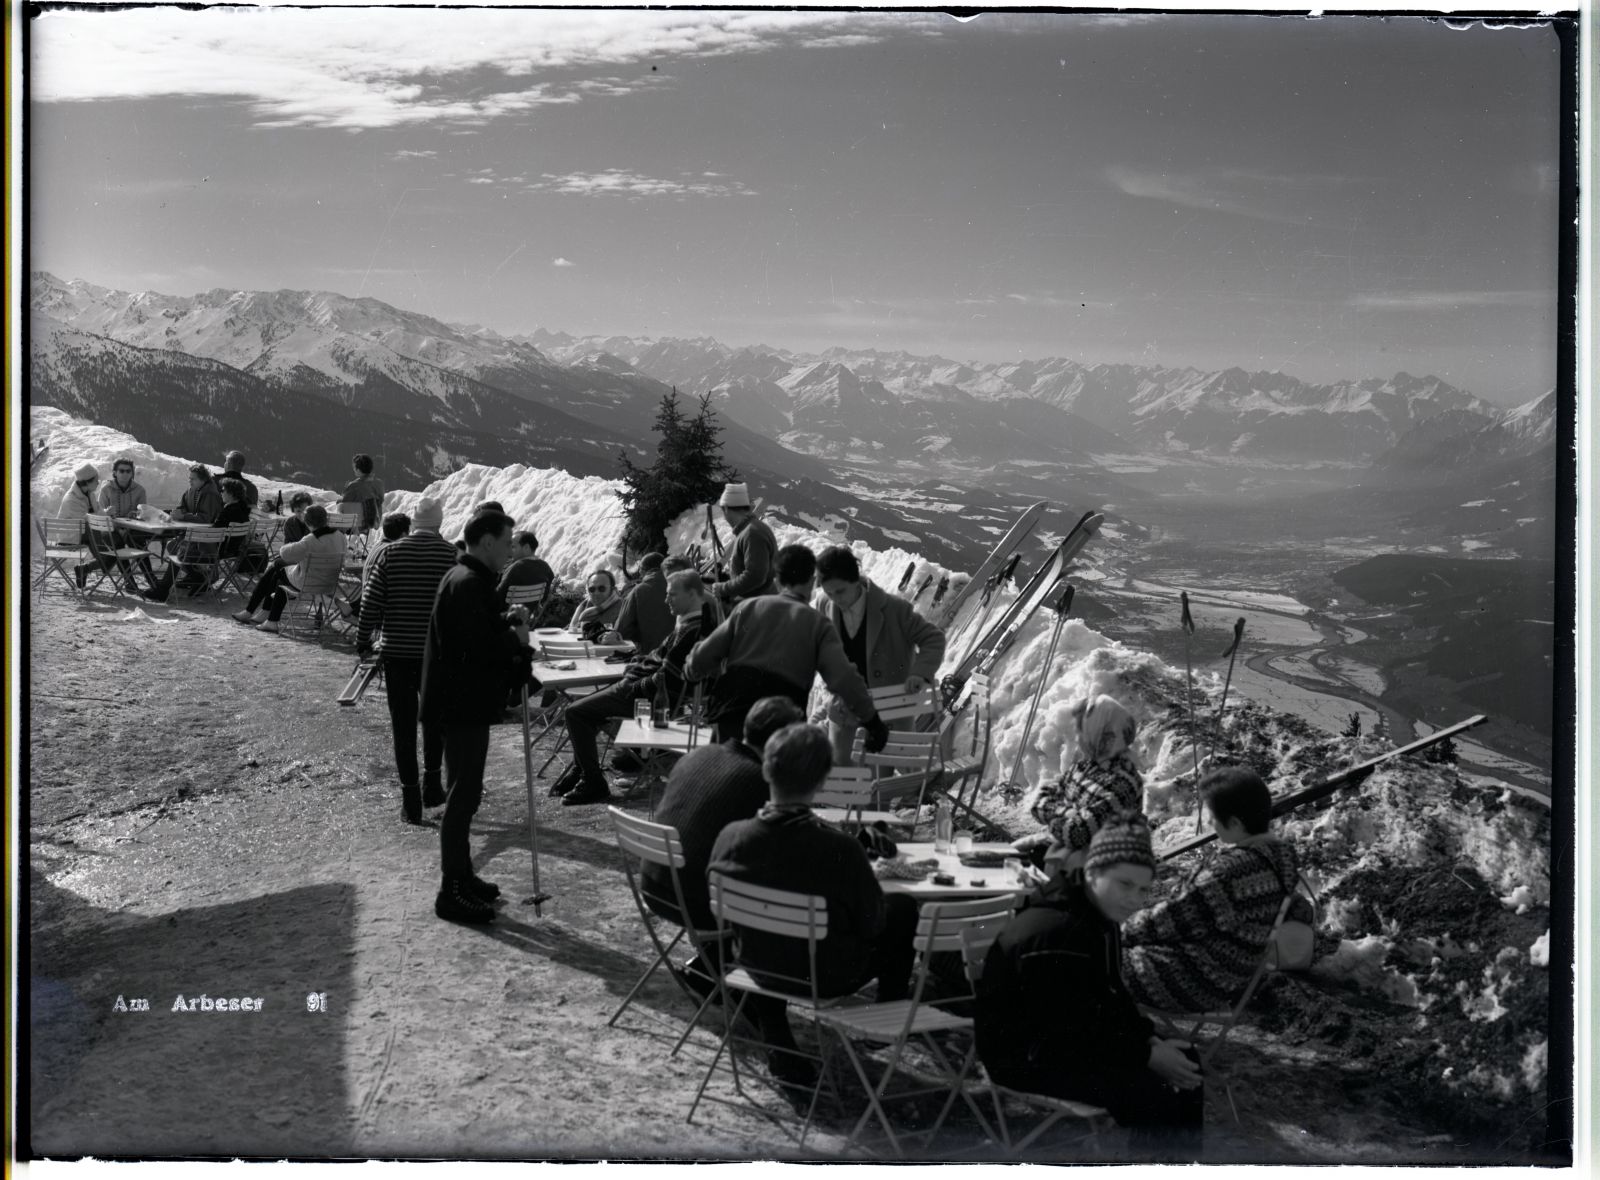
[
  {"x": 311, "y": 565},
  {"x": 123, "y": 495},
  {"x": 890, "y": 644}
]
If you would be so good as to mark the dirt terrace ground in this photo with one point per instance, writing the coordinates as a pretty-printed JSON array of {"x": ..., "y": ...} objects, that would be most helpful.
[{"x": 204, "y": 819}]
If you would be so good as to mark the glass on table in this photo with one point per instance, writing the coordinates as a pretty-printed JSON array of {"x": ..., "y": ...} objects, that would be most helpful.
[
  {"x": 963, "y": 840},
  {"x": 641, "y": 712}
]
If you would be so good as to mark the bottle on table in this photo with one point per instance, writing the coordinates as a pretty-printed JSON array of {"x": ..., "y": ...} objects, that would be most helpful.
[
  {"x": 661, "y": 706},
  {"x": 943, "y": 826}
]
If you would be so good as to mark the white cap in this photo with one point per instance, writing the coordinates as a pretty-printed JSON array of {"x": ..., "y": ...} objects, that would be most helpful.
[{"x": 735, "y": 495}]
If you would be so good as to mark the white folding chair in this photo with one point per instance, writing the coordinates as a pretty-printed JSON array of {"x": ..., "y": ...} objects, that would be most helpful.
[
  {"x": 847, "y": 797},
  {"x": 659, "y": 844},
  {"x": 975, "y": 943},
  {"x": 739, "y": 905},
  {"x": 197, "y": 553},
  {"x": 231, "y": 553},
  {"x": 940, "y": 929},
  {"x": 63, "y": 548},
  {"x": 912, "y": 758},
  {"x": 113, "y": 562}
]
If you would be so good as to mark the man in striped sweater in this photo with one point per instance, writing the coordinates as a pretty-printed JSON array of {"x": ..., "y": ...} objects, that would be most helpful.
[{"x": 401, "y": 586}]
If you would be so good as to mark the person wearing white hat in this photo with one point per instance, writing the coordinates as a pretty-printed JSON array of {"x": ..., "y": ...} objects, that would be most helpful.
[
  {"x": 753, "y": 553},
  {"x": 77, "y": 504}
]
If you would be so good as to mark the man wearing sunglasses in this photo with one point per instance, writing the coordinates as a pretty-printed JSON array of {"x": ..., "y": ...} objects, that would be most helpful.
[{"x": 123, "y": 495}]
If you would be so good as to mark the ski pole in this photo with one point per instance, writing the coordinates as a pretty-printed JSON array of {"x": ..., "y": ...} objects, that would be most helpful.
[
  {"x": 1187, "y": 623},
  {"x": 1062, "y": 607},
  {"x": 1232, "y": 653},
  {"x": 539, "y": 895}
]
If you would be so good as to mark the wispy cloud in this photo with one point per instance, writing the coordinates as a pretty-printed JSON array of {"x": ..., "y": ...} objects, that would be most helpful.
[
  {"x": 410, "y": 155},
  {"x": 562, "y": 262},
  {"x": 1450, "y": 300},
  {"x": 366, "y": 68},
  {"x": 1237, "y": 191},
  {"x": 622, "y": 183}
]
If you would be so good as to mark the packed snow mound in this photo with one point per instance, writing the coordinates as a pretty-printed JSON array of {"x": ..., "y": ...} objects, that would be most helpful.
[
  {"x": 578, "y": 520},
  {"x": 75, "y": 441}
]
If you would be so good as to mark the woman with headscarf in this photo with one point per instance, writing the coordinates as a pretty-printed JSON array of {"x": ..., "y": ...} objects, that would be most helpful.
[{"x": 1103, "y": 782}]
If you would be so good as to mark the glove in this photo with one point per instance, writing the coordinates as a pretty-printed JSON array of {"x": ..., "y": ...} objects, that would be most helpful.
[
  {"x": 364, "y": 653},
  {"x": 877, "y": 842},
  {"x": 877, "y": 735}
]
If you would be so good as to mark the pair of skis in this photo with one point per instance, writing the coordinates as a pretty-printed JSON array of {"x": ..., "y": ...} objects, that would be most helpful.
[{"x": 1047, "y": 582}]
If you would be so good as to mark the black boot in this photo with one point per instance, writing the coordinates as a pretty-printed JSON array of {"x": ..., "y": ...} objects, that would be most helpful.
[
  {"x": 411, "y": 804},
  {"x": 568, "y": 780},
  {"x": 432, "y": 791},
  {"x": 456, "y": 903},
  {"x": 481, "y": 889}
]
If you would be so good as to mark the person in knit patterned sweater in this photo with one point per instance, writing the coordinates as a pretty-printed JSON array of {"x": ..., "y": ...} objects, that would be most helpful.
[
  {"x": 1104, "y": 782},
  {"x": 1195, "y": 951}
]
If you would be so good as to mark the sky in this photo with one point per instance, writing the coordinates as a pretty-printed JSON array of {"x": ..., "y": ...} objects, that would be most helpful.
[{"x": 1336, "y": 198}]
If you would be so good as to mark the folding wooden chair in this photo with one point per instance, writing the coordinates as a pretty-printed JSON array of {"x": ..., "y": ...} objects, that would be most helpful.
[
  {"x": 564, "y": 649},
  {"x": 975, "y": 943},
  {"x": 63, "y": 553},
  {"x": 531, "y": 597},
  {"x": 326, "y": 612},
  {"x": 659, "y": 844},
  {"x": 940, "y": 928},
  {"x": 912, "y": 758},
  {"x": 847, "y": 798},
  {"x": 113, "y": 562},
  {"x": 800, "y": 916},
  {"x": 197, "y": 553},
  {"x": 231, "y": 554}
]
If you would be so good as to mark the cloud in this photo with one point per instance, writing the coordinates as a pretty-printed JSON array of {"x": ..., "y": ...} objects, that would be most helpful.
[
  {"x": 359, "y": 68},
  {"x": 562, "y": 262},
  {"x": 1219, "y": 190},
  {"x": 480, "y": 180},
  {"x": 410, "y": 155},
  {"x": 1450, "y": 300},
  {"x": 620, "y": 182}
]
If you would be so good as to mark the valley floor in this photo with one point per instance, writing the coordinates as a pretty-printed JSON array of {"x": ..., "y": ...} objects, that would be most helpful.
[{"x": 204, "y": 819}]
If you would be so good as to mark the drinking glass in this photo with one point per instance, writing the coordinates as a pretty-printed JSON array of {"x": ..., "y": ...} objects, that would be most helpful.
[
  {"x": 963, "y": 841},
  {"x": 641, "y": 712}
]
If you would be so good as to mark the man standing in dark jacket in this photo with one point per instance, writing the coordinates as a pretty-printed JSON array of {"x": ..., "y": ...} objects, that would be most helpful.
[
  {"x": 1054, "y": 1017},
  {"x": 473, "y": 654},
  {"x": 777, "y": 645},
  {"x": 402, "y": 583},
  {"x": 753, "y": 552},
  {"x": 787, "y": 847},
  {"x": 584, "y": 782}
]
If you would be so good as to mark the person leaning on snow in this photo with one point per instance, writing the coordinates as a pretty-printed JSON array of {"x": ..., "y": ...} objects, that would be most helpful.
[
  {"x": 752, "y": 555},
  {"x": 1102, "y": 783},
  {"x": 776, "y": 645},
  {"x": 1053, "y": 1015},
  {"x": 473, "y": 654},
  {"x": 890, "y": 644},
  {"x": 363, "y": 494},
  {"x": 600, "y": 608},
  {"x": 1195, "y": 951}
]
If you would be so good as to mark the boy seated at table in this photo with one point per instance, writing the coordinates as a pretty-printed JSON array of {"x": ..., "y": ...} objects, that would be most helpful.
[
  {"x": 1195, "y": 951},
  {"x": 584, "y": 781},
  {"x": 1053, "y": 1015},
  {"x": 870, "y": 934}
]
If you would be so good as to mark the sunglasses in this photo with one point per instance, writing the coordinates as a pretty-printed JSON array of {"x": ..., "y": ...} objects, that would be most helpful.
[{"x": 598, "y": 588}]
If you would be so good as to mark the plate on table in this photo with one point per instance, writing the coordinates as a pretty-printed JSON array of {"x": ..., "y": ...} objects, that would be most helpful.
[{"x": 986, "y": 858}]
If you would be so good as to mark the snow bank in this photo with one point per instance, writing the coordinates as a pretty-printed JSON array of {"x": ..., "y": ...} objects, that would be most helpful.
[
  {"x": 74, "y": 442},
  {"x": 578, "y": 520},
  {"x": 1539, "y": 952}
]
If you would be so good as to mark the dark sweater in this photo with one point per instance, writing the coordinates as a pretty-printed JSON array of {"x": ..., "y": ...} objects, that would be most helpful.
[
  {"x": 473, "y": 656},
  {"x": 527, "y": 571},
  {"x": 707, "y": 790},
  {"x": 795, "y": 851},
  {"x": 1052, "y": 1002},
  {"x": 646, "y": 618}
]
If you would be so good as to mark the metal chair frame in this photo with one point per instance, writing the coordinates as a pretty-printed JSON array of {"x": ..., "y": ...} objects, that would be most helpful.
[
  {"x": 63, "y": 543},
  {"x": 104, "y": 548}
]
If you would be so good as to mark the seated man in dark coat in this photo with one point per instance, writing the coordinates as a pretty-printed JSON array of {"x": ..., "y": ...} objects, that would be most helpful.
[
  {"x": 786, "y": 847},
  {"x": 584, "y": 781},
  {"x": 1054, "y": 1017},
  {"x": 707, "y": 790},
  {"x": 527, "y": 569},
  {"x": 646, "y": 619}
]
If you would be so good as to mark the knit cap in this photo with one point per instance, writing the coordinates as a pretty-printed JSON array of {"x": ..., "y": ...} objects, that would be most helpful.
[{"x": 1125, "y": 840}]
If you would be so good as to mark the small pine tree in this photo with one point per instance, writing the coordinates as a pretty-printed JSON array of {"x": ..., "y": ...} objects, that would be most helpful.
[
  {"x": 688, "y": 470},
  {"x": 1353, "y": 728}
]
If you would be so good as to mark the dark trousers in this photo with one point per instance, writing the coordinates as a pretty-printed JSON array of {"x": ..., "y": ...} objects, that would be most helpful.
[
  {"x": 1165, "y": 1125},
  {"x": 466, "y": 752},
  {"x": 889, "y": 963},
  {"x": 584, "y": 718},
  {"x": 270, "y": 589},
  {"x": 402, "y": 679}
]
